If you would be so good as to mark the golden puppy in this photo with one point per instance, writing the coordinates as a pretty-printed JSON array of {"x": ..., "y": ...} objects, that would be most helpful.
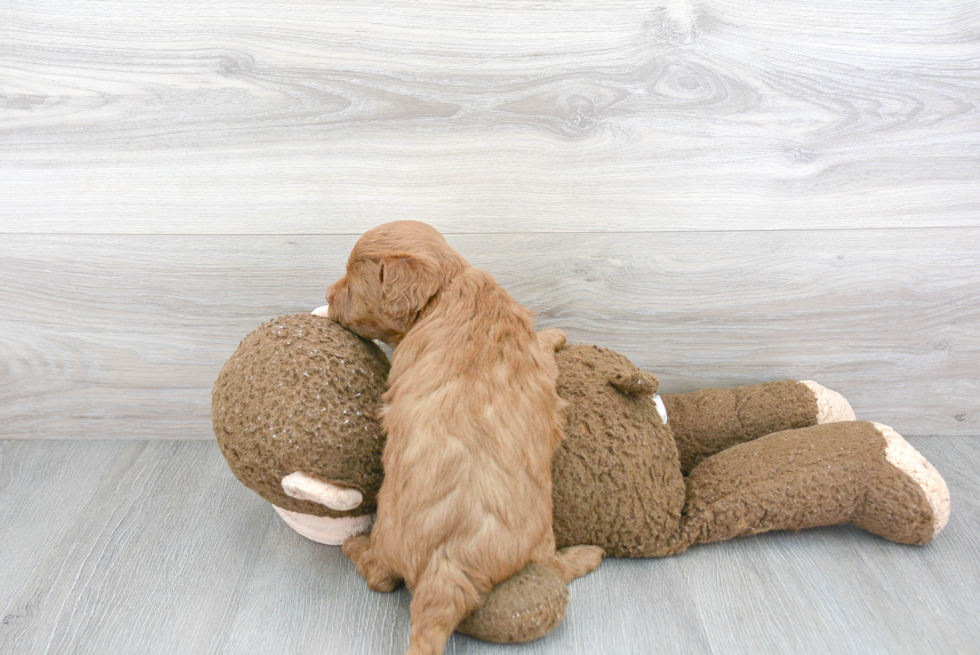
[{"x": 472, "y": 418}]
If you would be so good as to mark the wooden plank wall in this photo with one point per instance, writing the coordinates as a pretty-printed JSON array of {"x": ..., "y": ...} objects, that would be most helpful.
[{"x": 725, "y": 191}]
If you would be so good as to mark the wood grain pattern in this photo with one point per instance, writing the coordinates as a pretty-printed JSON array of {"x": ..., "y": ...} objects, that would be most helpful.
[
  {"x": 291, "y": 117},
  {"x": 122, "y": 337},
  {"x": 44, "y": 487},
  {"x": 724, "y": 191},
  {"x": 167, "y": 523},
  {"x": 164, "y": 551},
  {"x": 855, "y": 592}
]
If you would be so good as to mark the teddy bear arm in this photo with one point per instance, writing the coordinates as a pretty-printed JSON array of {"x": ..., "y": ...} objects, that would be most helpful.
[
  {"x": 849, "y": 472},
  {"x": 637, "y": 383},
  {"x": 708, "y": 421},
  {"x": 625, "y": 376}
]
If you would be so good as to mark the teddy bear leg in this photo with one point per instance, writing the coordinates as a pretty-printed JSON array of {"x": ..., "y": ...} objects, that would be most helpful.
[
  {"x": 531, "y": 602},
  {"x": 377, "y": 575},
  {"x": 708, "y": 421},
  {"x": 881, "y": 512},
  {"x": 526, "y": 606},
  {"x": 851, "y": 472}
]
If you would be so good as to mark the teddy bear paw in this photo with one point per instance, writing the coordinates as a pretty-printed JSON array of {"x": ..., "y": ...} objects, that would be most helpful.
[
  {"x": 831, "y": 406},
  {"x": 907, "y": 459}
]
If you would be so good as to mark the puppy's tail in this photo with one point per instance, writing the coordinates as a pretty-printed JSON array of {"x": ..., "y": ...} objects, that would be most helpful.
[{"x": 444, "y": 595}]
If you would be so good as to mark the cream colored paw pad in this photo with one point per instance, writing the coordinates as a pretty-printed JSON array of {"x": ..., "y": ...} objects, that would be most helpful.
[
  {"x": 907, "y": 459},
  {"x": 831, "y": 406}
]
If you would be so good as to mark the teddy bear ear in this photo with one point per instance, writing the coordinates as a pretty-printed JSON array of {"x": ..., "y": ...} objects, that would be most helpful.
[{"x": 636, "y": 383}]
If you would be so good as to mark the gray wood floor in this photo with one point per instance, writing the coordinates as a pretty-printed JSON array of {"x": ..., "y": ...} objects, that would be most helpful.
[{"x": 153, "y": 547}]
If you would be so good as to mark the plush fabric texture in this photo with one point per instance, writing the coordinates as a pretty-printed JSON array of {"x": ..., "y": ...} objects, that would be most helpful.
[
  {"x": 617, "y": 478},
  {"x": 526, "y": 606},
  {"x": 301, "y": 393},
  {"x": 791, "y": 480},
  {"x": 708, "y": 421}
]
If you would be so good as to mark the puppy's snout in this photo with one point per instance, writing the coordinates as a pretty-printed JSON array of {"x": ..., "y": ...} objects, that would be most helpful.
[
  {"x": 335, "y": 293},
  {"x": 332, "y": 291}
]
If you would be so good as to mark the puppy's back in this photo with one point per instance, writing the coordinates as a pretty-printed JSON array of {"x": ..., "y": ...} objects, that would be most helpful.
[{"x": 473, "y": 420}]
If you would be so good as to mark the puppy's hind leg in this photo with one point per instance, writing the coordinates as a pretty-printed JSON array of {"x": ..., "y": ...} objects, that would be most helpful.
[
  {"x": 552, "y": 339},
  {"x": 444, "y": 595},
  {"x": 378, "y": 576},
  {"x": 568, "y": 563},
  {"x": 575, "y": 561}
]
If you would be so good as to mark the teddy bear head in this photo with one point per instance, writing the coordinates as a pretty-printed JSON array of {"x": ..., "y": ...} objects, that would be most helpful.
[{"x": 302, "y": 395}]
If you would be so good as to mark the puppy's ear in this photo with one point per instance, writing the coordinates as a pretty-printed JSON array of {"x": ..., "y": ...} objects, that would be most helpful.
[{"x": 407, "y": 283}]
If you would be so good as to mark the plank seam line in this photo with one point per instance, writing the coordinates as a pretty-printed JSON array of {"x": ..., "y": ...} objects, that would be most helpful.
[{"x": 486, "y": 234}]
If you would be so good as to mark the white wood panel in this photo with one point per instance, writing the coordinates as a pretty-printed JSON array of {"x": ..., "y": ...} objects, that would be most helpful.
[
  {"x": 151, "y": 116},
  {"x": 121, "y": 337},
  {"x": 173, "y": 555}
]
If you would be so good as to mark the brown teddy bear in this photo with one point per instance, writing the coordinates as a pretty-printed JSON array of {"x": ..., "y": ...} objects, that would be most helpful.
[{"x": 295, "y": 411}]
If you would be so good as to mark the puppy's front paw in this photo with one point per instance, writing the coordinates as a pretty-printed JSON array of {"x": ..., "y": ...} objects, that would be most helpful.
[
  {"x": 377, "y": 576},
  {"x": 355, "y": 547}
]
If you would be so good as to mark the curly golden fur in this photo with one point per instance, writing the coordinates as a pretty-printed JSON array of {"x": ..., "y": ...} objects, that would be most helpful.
[{"x": 472, "y": 418}]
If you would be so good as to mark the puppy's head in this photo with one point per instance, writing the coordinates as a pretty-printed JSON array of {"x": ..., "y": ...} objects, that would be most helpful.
[{"x": 393, "y": 273}]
